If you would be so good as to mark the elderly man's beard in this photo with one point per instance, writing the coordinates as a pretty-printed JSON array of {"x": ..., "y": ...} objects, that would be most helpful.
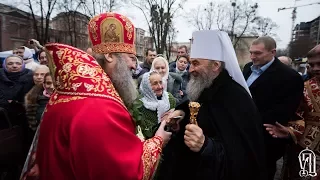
[
  {"x": 198, "y": 83},
  {"x": 123, "y": 82}
]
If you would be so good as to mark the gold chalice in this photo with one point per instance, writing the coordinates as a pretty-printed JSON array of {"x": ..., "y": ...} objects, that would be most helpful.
[{"x": 194, "y": 109}]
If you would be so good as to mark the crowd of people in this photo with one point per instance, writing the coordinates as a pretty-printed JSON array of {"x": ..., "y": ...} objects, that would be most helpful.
[
  {"x": 102, "y": 114},
  {"x": 25, "y": 89}
]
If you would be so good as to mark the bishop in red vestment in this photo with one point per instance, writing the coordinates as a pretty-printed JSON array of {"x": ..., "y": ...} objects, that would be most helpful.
[{"x": 87, "y": 132}]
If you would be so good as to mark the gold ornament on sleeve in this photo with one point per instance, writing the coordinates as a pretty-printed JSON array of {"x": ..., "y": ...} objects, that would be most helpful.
[{"x": 194, "y": 109}]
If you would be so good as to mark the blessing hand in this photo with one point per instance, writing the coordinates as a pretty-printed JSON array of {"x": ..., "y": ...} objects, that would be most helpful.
[
  {"x": 194, "y": 137},
  {"x": 277, "y": 130}
]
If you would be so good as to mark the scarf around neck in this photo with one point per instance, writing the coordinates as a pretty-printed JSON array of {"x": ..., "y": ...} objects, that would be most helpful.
[
  {"x": 180, "y": 72},
  {"x": 15, "y": 76},
  {"x": 46, "y": 94}
]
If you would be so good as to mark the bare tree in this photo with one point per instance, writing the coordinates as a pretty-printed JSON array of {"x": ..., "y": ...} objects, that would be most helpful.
[
  {"x": 69, "y": 12},
  {"x": 95, "y": 7},
  {"x": 171, "y": 37},
  {"x": 203, "y": 17},
  {"x": 234, "y": 18},
  {"x": 41, "y": 25},
  {"x": 158, "y": 15},
  {"x": 264, "y": 27},
  {"x": 282, "y": 52},
  {"x": 242, "y": 15}
]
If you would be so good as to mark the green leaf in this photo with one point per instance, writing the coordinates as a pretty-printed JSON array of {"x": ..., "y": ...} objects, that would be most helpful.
[{"x": 135, "y": 110}]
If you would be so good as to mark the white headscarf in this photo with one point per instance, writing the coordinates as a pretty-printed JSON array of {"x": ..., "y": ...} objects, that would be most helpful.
[
  {"x": 150, "y": 100},
  {"x": 27, "y": 53},
  {"x": 216, "y": 45},
  {"x": 165, "y": 77}
]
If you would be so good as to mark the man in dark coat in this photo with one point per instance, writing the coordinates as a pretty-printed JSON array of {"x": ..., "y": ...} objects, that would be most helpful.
[
  {"x": 227, "y": 143},
  {"x": 151, "y": 54},
  {"x": 182, "y": 51},
  {"x": 276, "y": 90}
]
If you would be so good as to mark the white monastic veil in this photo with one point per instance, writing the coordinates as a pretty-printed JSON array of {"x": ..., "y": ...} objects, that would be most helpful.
[
  {"x": 216, "y": 45},
  {"x": 231, "y": 61}
]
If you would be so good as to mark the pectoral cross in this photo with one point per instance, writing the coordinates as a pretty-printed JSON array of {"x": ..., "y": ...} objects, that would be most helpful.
[{"x": 191, "y": 40}]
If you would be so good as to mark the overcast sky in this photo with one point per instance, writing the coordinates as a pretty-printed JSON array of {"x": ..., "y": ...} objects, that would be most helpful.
[{"x": 267, "y": 8}]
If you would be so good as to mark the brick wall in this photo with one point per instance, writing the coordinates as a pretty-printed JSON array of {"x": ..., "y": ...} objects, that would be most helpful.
[{"x": 15, "y": 31}]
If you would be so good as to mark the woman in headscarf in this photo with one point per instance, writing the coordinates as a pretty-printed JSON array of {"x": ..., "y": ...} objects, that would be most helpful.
[
  {"x": 28, "y": 59},
  {"x": 172, "y": 82},
  {"x": 36, "y": 101},
  {"x": 153, "y": 103},
  {"x": 15, "y": 79},
  {"x": 15, "y": 82}
]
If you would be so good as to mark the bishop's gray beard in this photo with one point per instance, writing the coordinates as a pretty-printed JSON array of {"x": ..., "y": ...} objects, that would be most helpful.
[
  {"x": 123, "y": 82},
  {"x": 198, "y": 83}
]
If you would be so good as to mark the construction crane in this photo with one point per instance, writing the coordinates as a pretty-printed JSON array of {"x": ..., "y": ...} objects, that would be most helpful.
[
  {"x": 295, "y": 7},
  {"x": 294, "y": 14}
]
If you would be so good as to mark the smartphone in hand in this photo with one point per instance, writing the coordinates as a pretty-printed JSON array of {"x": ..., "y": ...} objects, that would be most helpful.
[
  {"x": 176, "y": 118},
  {"x": 172, "y": 124}
]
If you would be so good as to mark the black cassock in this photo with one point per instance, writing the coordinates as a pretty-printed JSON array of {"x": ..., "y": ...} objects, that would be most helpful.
[{"x": 234, "y": 147}]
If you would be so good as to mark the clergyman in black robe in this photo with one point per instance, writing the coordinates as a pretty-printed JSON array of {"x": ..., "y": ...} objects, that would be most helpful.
[{"x": 233, "y": 147}]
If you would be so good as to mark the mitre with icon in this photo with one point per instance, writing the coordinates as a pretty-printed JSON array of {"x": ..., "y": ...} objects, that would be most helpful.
[{"x": 112, "y": 33}]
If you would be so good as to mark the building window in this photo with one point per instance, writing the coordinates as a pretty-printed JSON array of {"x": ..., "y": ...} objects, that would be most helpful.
[{"x": 24, "y": 32}]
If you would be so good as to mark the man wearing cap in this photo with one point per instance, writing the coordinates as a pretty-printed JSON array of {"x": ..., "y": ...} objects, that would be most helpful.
[
  {"x": 227, "y": 143},
  {"x": 87, "y": 131}
]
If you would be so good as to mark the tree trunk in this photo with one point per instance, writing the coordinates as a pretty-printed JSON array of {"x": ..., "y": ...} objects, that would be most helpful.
[{"x": 34, "y": 20}]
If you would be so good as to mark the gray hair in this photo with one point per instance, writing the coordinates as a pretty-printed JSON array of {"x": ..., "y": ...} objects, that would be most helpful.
[
  {"x": 121, "y": 78},
  {"x": 42, "y": 67},
  {"x": 197, "y": 84}
]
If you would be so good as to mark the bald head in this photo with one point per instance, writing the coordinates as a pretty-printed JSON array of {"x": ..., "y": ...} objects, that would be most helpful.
[{"x": 285, "y": 60}]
